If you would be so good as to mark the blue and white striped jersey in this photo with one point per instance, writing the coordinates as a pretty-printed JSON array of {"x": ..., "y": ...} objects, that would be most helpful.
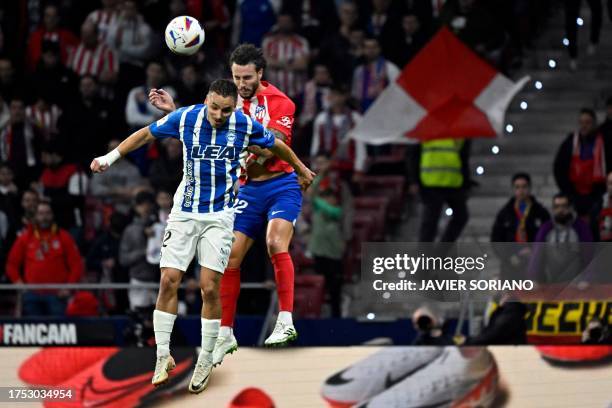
[{"x": 210, "y": 156}]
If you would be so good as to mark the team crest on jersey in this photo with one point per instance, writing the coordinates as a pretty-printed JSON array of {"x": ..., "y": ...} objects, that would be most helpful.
[
  {"x": 260, "y": 112},
  {"x": 231, "y": 136}
]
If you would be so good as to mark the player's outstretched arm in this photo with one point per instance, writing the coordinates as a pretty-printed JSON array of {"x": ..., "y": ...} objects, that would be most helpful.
[
  {"x": 162, "y": 100},
  {"x": 133, "y": 142},
  {"x": 284, "y": 152}
]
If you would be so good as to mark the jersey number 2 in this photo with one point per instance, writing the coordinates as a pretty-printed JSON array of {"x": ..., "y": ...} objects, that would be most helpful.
[{"x": 240, "y": 205}]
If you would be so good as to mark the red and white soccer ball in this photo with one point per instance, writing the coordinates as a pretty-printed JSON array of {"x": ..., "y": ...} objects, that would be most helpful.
[{"x": 184, "y": 35}]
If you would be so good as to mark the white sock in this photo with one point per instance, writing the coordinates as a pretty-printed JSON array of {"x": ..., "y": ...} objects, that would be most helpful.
[
  {"x": 210, "y": 332},
  {"x": 285, "y": 317},
  {"x": 225, "y": 331},
  {"x": 162, "y": 326}
]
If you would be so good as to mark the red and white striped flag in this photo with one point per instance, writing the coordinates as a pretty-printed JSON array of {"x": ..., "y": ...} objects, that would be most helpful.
[{"x": 446, "y": 91}]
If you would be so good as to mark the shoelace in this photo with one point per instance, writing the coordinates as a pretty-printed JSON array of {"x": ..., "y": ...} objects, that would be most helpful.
[
  {"x": 158, "y": 364},
  {"x": 280, "y": 328}
]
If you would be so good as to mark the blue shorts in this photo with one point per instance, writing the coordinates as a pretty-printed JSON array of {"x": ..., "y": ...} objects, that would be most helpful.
[{"x": 260, "y": 201}]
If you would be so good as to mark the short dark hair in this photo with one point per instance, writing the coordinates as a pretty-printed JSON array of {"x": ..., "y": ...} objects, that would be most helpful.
[
  {"x": 246, "y": 54},
  {"x": 561, "y": 194},
  {"x": 225, "y": 88},
  {"x": 588, "y": 111},
  {"x": 521, "y": 175}
]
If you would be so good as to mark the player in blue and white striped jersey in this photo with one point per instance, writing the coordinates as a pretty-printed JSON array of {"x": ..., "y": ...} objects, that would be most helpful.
[{"x": 201, "y": 222}]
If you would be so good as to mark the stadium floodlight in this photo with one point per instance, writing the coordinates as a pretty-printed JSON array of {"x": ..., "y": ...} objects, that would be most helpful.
[
  {"x": 524, "y": 105},
  {"x": 580, "y": 21},
  {"x": 509, "y": 128},
  {"x": 538, "y": 85},
  {"x": 495, "y": 149},
  {"x": 480, "y": 170},
  {"x": 449, "y": 212},
  {"x": 552, "y": 63},
  {"x": 370, "y": 316}
]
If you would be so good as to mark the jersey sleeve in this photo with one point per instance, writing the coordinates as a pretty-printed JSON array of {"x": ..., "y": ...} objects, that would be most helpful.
[
  {"x": 168, "y": 126},
  {"x": 282, "y": 115},
  {"x": 261, "y": 136}
]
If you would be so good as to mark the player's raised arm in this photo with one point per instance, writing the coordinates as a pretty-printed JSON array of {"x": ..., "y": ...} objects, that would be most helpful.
[
  {"x": 133, "y": 142},
  {"x": 162, "y": 100},
  {"x": 168, "y": 126},
  {"x": 284, "y": 152}
]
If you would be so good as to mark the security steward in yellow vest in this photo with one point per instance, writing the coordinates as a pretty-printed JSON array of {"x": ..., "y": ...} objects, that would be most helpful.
[{"x": 443, "y": 176}]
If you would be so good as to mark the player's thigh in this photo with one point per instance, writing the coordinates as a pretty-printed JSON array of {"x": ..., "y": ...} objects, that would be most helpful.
[
  {"x": 278, "y": 235},
  {"x": 215, "y": 240},
  {"x": 240, "y": 247},
  {"x": 250, "y": 211},
  {"x": 180, "y": 244}
]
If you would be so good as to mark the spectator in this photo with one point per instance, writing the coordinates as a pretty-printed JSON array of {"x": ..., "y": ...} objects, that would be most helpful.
[
  {"x": 9, "y": 84},
  {"x": 338, "y": 51},
  {"x": 44, "y": 115},
  {"x": 580, "y": 164},
  {"x": 5, "y": 114},
  {"x": 252, "y": 20},
  {"x": 330, "y": 136},
  {"x": 411, "y": 39},
  {"x": 506, "y": 325},
  {"x": 93, "y": 57},
  {"x": 138, "y": 111},
  {"x": 331, "y": 227},
  {"x": 602, "y": 215},
  {"x": 217, "y": 20},
  {"x": 103, "y": 261},
  {"x": 371, "y": 78},
  {"x": 315, "y": 19},
  {"x": 163, "y": 199},
  {"x": 443, "y": 171},
  {"x": 20, "y": 145},
  {"x": 316, "y": 94},
  {"x": 104, "y": 17},
  {"x": 190, "y": 90},
  {"x": 50, "y": 30},
  {"x": 9, "y": 195},
  {"x": 572, "y": 12},
  {"x": 133, "y": 252},
  {"x": 379, "y": 23},
  {"x": 52, "y": 78},
  {"x": 55, "y": 182},
  {"x": 131, "y": 38},
  {"x": 117, "y": 183},
  {"x": 91, "y": 113},
  {"x": 522, "y": 216},
  {"x": 561, "y": 259},
  {"x": 287, "y": 55},
  {"x": 472, "y": 22},
  {"x": 29, "y": 202},
  {"x": 518, "y": 221},
  {"x": 605, "y": 129},
  {"x": 167, "y": 171},
  {"x": 44, "y": 254}
]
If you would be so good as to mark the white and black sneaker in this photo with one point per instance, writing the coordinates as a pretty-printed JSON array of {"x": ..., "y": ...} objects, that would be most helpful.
[
  {"x": 224, "y": 345},
  {"x": 376, "y": 373},
  {"x": 201, "y": 373},
  {"x": 282, "y": 335}
]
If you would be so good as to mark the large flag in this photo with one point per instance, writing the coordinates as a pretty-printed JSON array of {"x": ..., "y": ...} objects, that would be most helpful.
[{"x": 446, "y": 91}]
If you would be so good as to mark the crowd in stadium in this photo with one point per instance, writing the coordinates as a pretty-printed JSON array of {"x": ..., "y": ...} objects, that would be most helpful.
[{"x": 74, "y": 80}]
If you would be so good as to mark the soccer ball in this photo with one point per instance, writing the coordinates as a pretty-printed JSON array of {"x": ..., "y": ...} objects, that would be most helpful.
[{"x": 184, "y": 35}]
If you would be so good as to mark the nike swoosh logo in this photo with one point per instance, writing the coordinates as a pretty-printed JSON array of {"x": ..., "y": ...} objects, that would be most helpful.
[
  {"x": 276, "y": 212},
  {"x": 337, "y": 379},
  {"x": 390, "y": 382},
  {"x": 90, "y": 395}
]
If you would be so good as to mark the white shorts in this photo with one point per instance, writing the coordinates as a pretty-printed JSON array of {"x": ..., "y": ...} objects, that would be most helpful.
[{"x": 211, "y": 237}]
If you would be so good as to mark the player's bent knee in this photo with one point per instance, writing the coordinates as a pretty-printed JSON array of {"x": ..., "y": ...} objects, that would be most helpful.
[
  {"x": 210, "y": 291},
  {"x": 170, "y": 280},
  {"x": 276, "y": 245}
]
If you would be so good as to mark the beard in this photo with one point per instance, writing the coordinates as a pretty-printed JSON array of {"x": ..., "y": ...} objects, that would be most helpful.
[
  {"x": 248, "y": 92},
  {"x": 563, "y": 219}
]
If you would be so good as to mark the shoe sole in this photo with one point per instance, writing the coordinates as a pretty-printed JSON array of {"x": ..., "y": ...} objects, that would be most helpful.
[
  {"x": 231, "y": 350},
  {"x": 483, "y": 394},
  {"x": 171, "y": 366},
  {"x": 283, "y": 343}
]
